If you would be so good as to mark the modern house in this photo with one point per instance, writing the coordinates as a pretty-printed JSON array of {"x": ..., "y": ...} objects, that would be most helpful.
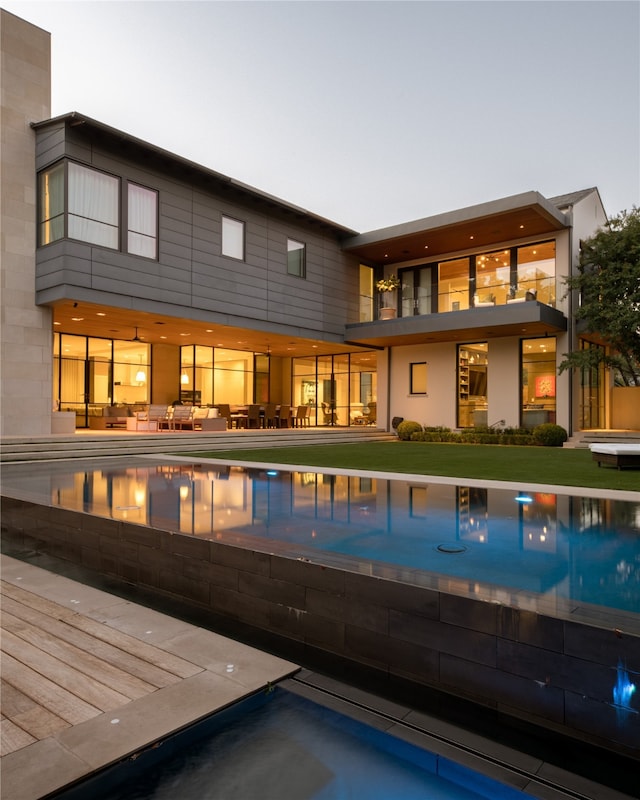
[{"x": 131, "y": 276}]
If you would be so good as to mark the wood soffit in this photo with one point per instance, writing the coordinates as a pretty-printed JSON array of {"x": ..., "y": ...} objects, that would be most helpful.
[{"x": 428, "y": 244}]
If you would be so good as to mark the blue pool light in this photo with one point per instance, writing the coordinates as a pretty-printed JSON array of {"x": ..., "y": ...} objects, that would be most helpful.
[
  {"x": 623, "y": 689},
  {"x": 524, "y": 498},
  {"x": 272, "y": 473}
]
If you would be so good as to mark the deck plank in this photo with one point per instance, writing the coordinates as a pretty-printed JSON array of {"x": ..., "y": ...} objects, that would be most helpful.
[
  {"x": 118, "y": 679},
  {"x": 161, "y": 659},
  {"x": 98, "y": 647},
  {"x": 12, "y": 737},
  {"x": 25, "y": 713},
  {"x": 46, "y": 693},
  {"x": 91, "y": 690}
]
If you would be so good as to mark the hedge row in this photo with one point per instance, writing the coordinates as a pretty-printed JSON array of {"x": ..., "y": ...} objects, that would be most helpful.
[{"x": 547, "y": 435}]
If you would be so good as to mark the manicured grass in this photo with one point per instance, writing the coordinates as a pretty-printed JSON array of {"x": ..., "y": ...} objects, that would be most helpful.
[{"x": 550, "y": 465}]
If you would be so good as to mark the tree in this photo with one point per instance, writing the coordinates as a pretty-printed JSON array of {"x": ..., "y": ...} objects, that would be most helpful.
[{"x": 608, "y": 281}]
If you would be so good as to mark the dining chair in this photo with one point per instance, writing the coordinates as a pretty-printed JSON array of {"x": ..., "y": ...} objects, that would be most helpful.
[
  {"x": 270, "y": 420},
  {"x": 224, "y": 409},
  {"x": 254, "y": 416},
  {"x": 284, "y": 420}
]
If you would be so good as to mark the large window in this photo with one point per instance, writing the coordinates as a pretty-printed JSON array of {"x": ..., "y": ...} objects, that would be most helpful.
[
  {"x": 93, "y": 206},
  {"x": 538, "y": 381},
  {"x": 85, "y": 204},
  {"x": 91, "y": 373},
  {"x": 493, "y": 278},
  {"x": 536, "y": 278},
  {"x": 232, "y": 238},
  {"x": 296, "y": 261},
  {"x": 453, "y": 285},
  {"x": 142, "y": 205}
]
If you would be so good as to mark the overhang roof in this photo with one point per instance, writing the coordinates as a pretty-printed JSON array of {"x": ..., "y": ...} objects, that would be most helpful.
[
  {"x": 484, "y": 225},
  {"x": 115, "y": 136}
]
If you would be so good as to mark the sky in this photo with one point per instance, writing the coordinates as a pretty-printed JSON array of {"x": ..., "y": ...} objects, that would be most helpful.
[{"x": 368, "y": 113}]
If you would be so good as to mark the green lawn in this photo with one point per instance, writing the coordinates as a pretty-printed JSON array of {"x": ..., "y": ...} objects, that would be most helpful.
[{"x": 550, "y": 465}]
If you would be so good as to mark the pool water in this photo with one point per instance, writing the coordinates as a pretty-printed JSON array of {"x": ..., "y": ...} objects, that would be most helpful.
[
  {"x": 280, "y": 746},
  {"x": 562, "y": 546}
]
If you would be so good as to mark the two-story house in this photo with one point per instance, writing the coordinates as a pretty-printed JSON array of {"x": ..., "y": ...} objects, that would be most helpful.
[{"x": 133, "y": 276}]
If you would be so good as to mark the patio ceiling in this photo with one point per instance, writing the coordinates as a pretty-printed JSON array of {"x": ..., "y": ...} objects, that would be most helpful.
[{"x": 86, "y": 319}]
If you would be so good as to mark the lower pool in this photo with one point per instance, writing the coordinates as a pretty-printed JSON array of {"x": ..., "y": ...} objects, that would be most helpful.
[{"x": 279, "y": 745}]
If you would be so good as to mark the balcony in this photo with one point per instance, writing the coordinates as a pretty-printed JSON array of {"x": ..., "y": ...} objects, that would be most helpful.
[{"x": 514, "y": 316}]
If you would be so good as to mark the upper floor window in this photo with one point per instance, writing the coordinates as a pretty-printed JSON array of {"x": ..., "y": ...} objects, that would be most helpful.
[
  {"x": 232, "y": 238},
  {"x": 51, "y": 204},
  {"x": 142, "y": 210},
  {"x": 296, "y": 261},
  {"x": 83, "y": 203},
  {"x": 366, "y": 293},
  {"x": 93, "y": 206}
]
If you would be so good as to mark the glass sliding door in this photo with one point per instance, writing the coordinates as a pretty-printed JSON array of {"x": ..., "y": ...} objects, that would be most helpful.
[
  {"x": 416, "y": 291},
  {"x": 339, "y": 389}
]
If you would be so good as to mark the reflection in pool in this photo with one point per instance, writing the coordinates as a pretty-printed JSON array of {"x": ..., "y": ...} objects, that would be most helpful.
[{"x": 578, "y": 548}]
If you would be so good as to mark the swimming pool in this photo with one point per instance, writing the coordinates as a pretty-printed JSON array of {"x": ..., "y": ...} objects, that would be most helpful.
[
  {"x": 279, "y": 745},
  {"x": 524, "y": 602},
  {"x": 498, "y": 542}
]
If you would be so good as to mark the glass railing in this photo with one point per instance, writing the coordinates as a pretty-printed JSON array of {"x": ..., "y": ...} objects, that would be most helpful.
[{"x": 542, "y": 290}]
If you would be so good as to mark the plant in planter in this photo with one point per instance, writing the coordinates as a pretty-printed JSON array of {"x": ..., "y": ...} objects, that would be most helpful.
[{"x": 386, "y": 287}]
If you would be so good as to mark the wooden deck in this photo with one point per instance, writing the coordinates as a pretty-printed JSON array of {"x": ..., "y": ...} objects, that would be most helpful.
[
  {"x": 79, "y": 691},
  {"x": 60, "y": 669}
]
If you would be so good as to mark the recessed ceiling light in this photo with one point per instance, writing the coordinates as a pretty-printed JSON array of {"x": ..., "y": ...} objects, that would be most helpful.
[
  {"x": 100, "y": 314},
  {"x": 185, "y": 334},
  {"x": 57, "y": 323},
  {"x": 522, "y": 226},
  {"x": 163, "y": 337},
  {"x": 209, "y": 330},
  {"x": 77, "y": 319}
]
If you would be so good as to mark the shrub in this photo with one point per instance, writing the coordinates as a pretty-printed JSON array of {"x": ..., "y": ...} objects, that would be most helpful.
[
  {"x": 550, "y": 435},
  {"x": 406, "y": 428}
]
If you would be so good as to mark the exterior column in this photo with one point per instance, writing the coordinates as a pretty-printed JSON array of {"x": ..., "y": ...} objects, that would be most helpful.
[{"x": 25, "y": 329}]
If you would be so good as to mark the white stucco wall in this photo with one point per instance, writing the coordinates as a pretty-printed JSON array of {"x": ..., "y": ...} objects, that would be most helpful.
[{"x": 438, "y": 407}]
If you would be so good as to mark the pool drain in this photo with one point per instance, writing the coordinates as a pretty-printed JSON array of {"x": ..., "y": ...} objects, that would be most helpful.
[{"x": 451, "y": 548}]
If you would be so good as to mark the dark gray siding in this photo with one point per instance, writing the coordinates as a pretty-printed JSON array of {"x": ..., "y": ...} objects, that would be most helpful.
[{"x": 191, "y": 278}]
